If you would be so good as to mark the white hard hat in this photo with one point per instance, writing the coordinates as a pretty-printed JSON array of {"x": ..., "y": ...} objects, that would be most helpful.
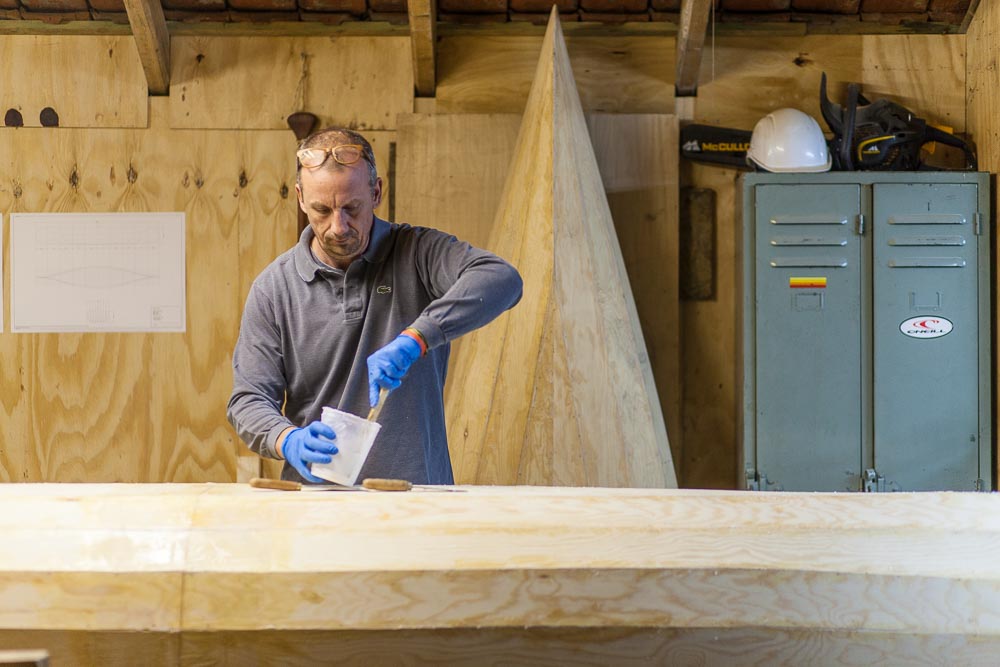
[{"x": 788, "y": 140}]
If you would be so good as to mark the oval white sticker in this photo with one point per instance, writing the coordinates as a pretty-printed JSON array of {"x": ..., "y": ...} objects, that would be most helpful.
[{"x": 926, "y": 327}]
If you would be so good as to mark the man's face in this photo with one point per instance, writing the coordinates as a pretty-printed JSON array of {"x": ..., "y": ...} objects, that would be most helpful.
[{"x": 340, "y": 205}]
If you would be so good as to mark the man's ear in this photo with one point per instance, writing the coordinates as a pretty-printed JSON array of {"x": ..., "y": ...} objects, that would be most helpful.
[
  {"x": 298, "y": 195},
  {"x": 377, "y": 193}
]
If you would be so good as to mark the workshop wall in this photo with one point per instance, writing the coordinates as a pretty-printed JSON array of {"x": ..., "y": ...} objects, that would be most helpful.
[
  {"x": 151, "y": 407},
  {"x": 743, "y": 78},
  {"x": 145, "y": 407}
]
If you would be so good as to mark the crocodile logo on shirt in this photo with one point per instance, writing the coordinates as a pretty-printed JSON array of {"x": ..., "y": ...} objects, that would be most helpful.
[{"x": 383, "y": 289}]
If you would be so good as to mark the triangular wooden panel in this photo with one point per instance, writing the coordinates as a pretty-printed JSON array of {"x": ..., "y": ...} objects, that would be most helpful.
[{"x": 559, "y": 389}]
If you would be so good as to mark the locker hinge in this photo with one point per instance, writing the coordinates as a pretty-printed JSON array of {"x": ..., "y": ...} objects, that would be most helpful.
[
  {"x": 860, "y": 224},
  {"x": 874, "y": 482},
  {"x": 977, "y": 223},
  {"x": 980, "y": 485},
  {"x": 755, "y": 482}
]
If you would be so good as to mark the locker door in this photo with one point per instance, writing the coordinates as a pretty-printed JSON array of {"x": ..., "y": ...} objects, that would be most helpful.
[
  {"x": 926, "y": 371},
  {"x": 808, "y": 339}
]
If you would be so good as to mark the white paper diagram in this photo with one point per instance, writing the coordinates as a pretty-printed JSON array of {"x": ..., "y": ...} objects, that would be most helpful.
[{"x": 97, "y": 272}]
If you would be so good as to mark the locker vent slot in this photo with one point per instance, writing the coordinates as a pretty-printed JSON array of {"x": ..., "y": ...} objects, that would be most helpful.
[
  {"x": 808, "y": 263},
  {"x": 927, "y": 263},
  {"x": 808, "y": 220},
  {"x": 928, "y": 219},
  {"x": 927, "y": 240},
  {"x": 807, "y": 240}
]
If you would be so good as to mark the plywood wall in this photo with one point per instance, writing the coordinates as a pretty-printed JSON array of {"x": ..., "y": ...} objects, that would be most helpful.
[
  {"x": 151, "y": 407},
  {"x": 983, "y": 89}
]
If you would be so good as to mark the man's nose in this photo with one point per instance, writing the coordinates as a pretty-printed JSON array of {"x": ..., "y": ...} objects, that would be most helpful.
[{"x": 338, "y": 223}]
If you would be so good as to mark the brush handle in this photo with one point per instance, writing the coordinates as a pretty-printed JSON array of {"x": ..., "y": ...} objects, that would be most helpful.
[
  {"x": 276, "y": 484},
  {"x": 374, "y": 412}
]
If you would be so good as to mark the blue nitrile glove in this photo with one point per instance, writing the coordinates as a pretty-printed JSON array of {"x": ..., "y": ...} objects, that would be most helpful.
[
  {"x": 387, "y": 366},
  {"x": 311, "y": 444}
]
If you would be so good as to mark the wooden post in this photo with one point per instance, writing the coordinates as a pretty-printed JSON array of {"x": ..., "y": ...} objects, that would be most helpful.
[{"x": 423, "y": 36}]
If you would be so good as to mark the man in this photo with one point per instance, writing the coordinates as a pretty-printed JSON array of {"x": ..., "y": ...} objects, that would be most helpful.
[{"x": 357, "y": 305}]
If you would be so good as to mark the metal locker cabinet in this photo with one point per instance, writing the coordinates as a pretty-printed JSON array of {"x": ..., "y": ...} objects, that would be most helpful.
[
  {"x": 926, "y": 336},
  {"x": 866, "y": 332},
  {"x": 808, "y": 342}
]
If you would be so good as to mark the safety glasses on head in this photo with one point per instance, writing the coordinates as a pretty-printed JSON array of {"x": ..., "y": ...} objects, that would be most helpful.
[{"x": 345, "y": 154}]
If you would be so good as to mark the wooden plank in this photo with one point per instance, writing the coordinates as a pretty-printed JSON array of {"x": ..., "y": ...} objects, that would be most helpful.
[
  {"x": 452, "y": 169},
  {"x": 423, "y": 41},
  {"x": 555, "y": 225},
  {"x": 637, "y": 156},
  {"x": 495, "y": 647},
  {"x": 87, "y": 81},
  {"x": 111, "y": 649},
  {"x": 764, "y": 30},
  {"x": 690, "y": 42},
  {"x": 615, "y": 74},
  {"x": 983, "y": 125},
  {"x": 255, "y": 83},
  {"x": 493, "y": 557},
  {"x": 149, "y": 28},
  {"x": 588, "y": 647}
]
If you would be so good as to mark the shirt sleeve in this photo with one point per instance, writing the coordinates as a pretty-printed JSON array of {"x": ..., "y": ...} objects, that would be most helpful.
[
  {"x": 469, "y": 286},
  {"x": 258, "y": 378}
]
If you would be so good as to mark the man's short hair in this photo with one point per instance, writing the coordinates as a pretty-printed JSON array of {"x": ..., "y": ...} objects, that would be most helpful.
[{"x": 336, "y": 136}]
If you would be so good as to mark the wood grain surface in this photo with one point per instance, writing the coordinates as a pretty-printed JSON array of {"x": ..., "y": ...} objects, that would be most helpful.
[
  {"x": 256, "y": 82},
  {"x": 537, "y": 380},
  {"x": 88, "y": 81},
  {"x": 501, "y": 647},
  {"x": 134, "y": 407},
  {"x": 614, "y": 74},
  {"x": 637, "y": 156},
  {"x": 114, "y": 558}
]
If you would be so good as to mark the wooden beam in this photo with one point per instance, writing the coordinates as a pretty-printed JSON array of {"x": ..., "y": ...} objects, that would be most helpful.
[
  {"x": 513, "y": 29},
  {"x": 136, "y": 558},
  {"x": 152, "y": 41},
  {"x": 423, "y": 37},
  {"x": 690, "y": 40}
]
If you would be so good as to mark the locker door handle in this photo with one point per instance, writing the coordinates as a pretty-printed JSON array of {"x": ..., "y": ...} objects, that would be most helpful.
[
  {"x": 927, "y": 240},
  {"x": 928, "y": 219},
  {"x": 808, "y": 220},
  {"x": 807, "y": 263},
  {"x": 928, "y": 263}
]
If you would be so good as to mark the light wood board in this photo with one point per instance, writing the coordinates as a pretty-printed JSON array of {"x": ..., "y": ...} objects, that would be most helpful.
[
  {"x": 88, "y": 81},
  {"x": 558, "y": 390},
  {"x": 983, "y": 122},
  {"x": 501, "y": 647},
  {"x": 116, "y": 558},
  {"x": 637, "y": 156},
  {"x": 257, "y": 82}
]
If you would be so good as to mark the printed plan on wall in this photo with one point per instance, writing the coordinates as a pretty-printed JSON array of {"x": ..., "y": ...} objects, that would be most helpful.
[{"x": 97, "y": 272}]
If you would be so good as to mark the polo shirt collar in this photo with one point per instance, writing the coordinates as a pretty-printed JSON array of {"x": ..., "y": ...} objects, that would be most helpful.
[{"x": 307, "y": 265}]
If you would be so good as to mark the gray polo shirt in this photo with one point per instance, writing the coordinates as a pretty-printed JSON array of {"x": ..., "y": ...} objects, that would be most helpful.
[{"x": 308, "y": 329}]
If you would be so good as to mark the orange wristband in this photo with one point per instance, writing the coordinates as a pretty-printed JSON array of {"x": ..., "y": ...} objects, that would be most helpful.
[{"x": 410, "y": 332}]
